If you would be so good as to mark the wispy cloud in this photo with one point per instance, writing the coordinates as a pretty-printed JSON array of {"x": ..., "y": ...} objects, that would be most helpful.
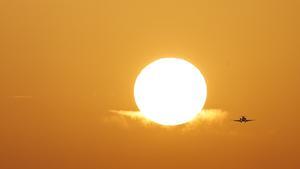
[
  {"x": 131, "y": 115},
  {"x": 205, "y": 117},
  {"x": 21, "y": 97}
]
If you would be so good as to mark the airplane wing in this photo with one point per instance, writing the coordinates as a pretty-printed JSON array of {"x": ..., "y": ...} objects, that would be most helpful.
[
  {"x": 237, "y": 120},
  {"x": 249, "y": 120}
]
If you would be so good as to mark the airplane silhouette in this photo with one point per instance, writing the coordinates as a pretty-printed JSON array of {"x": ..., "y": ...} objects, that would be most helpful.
[{"x": 243, "y": 119}]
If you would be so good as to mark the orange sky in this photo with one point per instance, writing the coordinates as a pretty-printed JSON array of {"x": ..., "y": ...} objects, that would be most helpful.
[{"x": 65, "y": 64}]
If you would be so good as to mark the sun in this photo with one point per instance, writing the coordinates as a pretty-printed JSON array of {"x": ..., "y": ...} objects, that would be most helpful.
[{"x": 170, "y": 91}]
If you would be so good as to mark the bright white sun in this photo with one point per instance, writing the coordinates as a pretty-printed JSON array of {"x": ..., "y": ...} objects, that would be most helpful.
[{"x": 170, "y": 91}]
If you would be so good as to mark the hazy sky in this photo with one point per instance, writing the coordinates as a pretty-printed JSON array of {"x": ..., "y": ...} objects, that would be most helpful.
[{"x": 64, "y": 64}]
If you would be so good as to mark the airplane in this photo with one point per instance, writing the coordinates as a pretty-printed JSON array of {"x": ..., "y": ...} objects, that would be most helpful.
[{"x": 243, "y": 119}]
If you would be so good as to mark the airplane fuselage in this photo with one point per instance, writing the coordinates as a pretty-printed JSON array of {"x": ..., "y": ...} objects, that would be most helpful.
[{"x": 243, "y": 119}]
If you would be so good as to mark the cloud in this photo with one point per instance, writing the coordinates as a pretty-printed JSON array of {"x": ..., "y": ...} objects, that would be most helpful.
[
  {"x": 210, "y": 116},
  {"x": 124, "y": 115},
  {"x": 205, "y": 117},
  {"x": 21, "y": 97}
]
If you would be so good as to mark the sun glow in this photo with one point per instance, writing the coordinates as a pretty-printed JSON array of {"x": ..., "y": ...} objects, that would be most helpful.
[{"x": 170, "y": 91}]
